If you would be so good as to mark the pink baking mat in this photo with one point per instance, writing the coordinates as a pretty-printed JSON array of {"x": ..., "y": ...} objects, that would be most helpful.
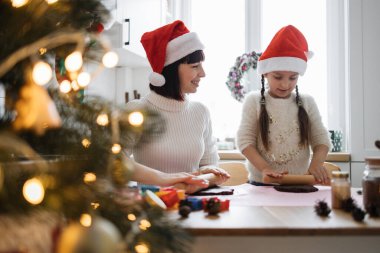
[{"x": 250, "y": 195}]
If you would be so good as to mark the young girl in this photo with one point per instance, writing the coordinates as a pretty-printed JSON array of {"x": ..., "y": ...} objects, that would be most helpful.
[
  {"x": 176, "y": 56},
  {"x": 278, "y": 125}
]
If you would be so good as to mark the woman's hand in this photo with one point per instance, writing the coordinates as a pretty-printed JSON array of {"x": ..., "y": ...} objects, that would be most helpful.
[
  {"x": 184, "y": 178},
  {"x": 320, "y": 173},
  {"x": 221, "y": 175}
]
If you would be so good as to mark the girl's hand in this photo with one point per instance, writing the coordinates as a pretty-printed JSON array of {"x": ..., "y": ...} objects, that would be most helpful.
[
  {"x": 320, "y": 173},
  {"x": 271, "y": 173}
]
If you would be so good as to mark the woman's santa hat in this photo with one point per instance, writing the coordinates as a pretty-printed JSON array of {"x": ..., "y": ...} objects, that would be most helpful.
[
  {"x": 167, "y": 45},
  {"x": 288, "y": 51}
]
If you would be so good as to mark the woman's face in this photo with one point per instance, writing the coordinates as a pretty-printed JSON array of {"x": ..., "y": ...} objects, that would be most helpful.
[
  {"x": 281, "y": 83},
  {"x": 189, "y": 76}
]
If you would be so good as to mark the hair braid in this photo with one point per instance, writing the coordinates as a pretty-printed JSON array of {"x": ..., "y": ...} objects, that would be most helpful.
[
  {"x": 263, "y": 118},
  {"x": 303, "y": 119}
]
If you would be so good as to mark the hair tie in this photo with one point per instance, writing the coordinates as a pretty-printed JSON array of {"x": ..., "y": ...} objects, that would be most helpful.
[{"x": 262, "y": 101}]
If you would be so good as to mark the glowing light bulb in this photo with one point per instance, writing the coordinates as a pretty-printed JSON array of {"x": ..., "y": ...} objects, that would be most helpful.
[
  {"x": 110, "y": 59},
  {"x": 33, "y": 191},
  {"x": 19, "y": 3},
  {"x": 116, "y": 148},
  {"x": 51, "y": 1},
  {"x": 85, "y": 220},
  {"x": 142, "y": 248},
  {"x": 74, "y": 61},
  {"x": 144, "y": 224},
  {"x": 41, "y": 73},
  {"x": 89, "y": 178},
  {"x": 131, "y": 217},
  {"x": 74, "y": 85},
  {"x": 102, "y": 119},
  {"x": 136, "y": 118},
  {"x": 83, "y": 79},
  {"x": 95, "y": 205},
  {"x": 65, "y": 86},
  {"x": 86, "y": 143}
]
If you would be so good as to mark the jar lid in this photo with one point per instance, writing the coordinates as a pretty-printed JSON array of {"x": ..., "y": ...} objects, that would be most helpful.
[
  {"x": 340, "y": 174},
  {"x": 372, "y": 160}
]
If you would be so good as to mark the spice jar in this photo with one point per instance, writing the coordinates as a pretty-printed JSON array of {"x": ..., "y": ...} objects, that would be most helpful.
[
  {"x": 340, "y": 188},
  {"x": 371, "y": 183}
]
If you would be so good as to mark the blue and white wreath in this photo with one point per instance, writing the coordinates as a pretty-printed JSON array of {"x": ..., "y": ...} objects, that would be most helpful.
[{"x": 242, "y": 64}]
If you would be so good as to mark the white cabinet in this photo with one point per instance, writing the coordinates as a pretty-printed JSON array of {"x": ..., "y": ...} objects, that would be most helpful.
[{"x": 137, "y": 17}]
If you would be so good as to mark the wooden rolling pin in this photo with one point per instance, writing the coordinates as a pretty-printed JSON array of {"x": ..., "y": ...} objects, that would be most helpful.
[{"x": 299, "y": 179}]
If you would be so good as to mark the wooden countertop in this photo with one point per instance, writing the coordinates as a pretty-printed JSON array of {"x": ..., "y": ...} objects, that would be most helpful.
[
  {"x": 258, "y": 210},
  {"x": 331, "y": 157}
]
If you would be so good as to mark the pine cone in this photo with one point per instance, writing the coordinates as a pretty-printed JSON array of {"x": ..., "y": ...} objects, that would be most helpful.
[
  {"x": 358, "y": 214},
  {"x": 322, "y": 208}
]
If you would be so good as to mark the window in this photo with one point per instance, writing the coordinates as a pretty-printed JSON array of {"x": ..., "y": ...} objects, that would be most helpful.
[{"x": 229, "y": 28}]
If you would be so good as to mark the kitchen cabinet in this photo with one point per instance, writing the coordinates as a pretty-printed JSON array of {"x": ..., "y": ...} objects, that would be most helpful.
[{"x": 133, "y": 18}]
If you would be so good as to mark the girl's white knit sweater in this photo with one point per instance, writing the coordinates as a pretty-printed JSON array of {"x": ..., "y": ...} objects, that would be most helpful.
[
  {"x": 285, "y": 152},
  {"x": 186, "y": 145}
]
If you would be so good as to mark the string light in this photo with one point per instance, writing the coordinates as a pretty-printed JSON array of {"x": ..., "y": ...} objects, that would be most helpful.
[
  {"x": 42, "y": 73},
  {"x": 65, "y": 86},
  {"x": 95, "y": 205},
  {"x": 84, "y": 79},
  {"x": 85, "y": 220},
  {"x": 142, "y": 248},
  {"x": 86, "y": 143},
  {"x": 116, "y": 148},
  {"x": 110, "y": 59},
  {"x": 136, "y": 118},
  {"x": 74, "y": 61},
  {"x": 33, "y": 191},
  {"x": 144, "y": 224},
  {"x": 42, "y": 50},
  {"x": 131, "y": 217},
  {"x": 51, "y": 1},
  {"x": 75, "y": 85},
  {"x": 89, "y": 178},
  {"x": 19, "y": 3},
  {"x": 102, "y": 119}
]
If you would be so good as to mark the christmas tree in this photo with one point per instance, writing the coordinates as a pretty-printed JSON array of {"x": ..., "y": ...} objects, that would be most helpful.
[{"x": 63, "y": 173}]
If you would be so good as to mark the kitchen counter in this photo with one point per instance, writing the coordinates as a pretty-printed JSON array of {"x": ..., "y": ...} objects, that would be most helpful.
[{"x": 262, "y": 219}]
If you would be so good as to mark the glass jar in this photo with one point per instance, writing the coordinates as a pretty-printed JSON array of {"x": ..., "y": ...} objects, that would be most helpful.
[
  {"x": 340, "y": 188},
  {"x": 371, "y": 183}
]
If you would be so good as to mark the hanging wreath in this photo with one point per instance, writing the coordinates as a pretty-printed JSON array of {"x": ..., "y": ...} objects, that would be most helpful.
[{"x": 242, "y": 64}]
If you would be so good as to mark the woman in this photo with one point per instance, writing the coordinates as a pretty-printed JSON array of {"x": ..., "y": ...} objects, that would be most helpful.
[{"x": 176, "y": 56}]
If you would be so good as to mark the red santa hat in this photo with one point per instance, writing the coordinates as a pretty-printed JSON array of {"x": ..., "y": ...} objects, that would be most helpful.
[
  {"x": 288, "y": 51},
  {"x": 167, "y": 45}
]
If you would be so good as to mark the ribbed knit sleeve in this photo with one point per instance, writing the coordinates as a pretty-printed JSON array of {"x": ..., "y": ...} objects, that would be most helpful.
[{"x": 210, "y": 155}]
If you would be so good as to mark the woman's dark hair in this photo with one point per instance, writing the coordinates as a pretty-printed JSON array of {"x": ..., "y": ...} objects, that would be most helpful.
[
  {"x": 303, "y": 119},
  {"x": 171, "y": 88}
]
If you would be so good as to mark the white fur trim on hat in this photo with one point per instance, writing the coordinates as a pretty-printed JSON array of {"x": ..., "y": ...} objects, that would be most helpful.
[
  {"x": 181, "y": 46},
  {"x": 156, "y": 79},
  {"x": 293, "y": 64}
]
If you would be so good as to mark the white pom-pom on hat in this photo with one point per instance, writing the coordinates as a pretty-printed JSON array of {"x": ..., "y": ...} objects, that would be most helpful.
[{"x": 156, "y": 79}]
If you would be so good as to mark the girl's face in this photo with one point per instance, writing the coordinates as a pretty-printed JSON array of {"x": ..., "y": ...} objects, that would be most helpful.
[
  {"x": 281, "y": 83},
  {"x": 189, "y": 76}
]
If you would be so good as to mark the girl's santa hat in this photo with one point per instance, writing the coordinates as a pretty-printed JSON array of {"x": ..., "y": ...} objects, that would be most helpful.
[
  {"x": 288, "y": 51},
  {"x": 167, "y": 45}
]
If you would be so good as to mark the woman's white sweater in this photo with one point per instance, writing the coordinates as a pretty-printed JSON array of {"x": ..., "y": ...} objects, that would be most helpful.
[{"x": 186, "y": 145}]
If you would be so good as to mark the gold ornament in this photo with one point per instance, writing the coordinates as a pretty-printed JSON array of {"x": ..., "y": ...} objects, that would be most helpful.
[
  {"x": 121, "y": 170},
  {"x": 101, "y": 237},
  {"x": 35, "y": 110}
]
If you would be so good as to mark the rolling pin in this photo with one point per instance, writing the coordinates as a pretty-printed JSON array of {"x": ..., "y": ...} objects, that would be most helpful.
[{"x": 297, "y": 179}]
